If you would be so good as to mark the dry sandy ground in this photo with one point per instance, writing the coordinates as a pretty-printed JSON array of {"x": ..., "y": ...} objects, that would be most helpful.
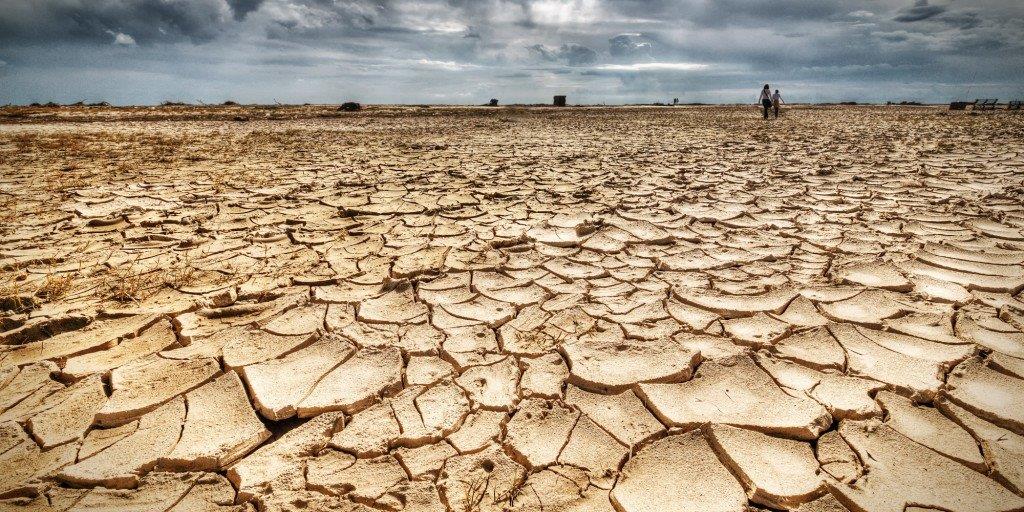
[{"x": 433, "y": 309}]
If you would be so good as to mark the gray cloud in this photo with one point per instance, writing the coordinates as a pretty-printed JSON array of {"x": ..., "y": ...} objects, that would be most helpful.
[
  {"x": 577, "y": 55},
  {"x": 964, "y": 20},
  {"x": 241, "y": 8},
  {"x": 145, "y": 21},
  {"x": 631, "y": 46},
  {"x": 571, "y": 54},
  {"x": 543, "y": 53},
  {"x": 467, "y": 51},
  {"x": 921, "y": 10}
]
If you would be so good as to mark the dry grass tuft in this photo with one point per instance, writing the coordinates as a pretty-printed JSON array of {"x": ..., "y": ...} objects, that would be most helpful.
[
  {"x": 13, "y": 297},
  {"x": 539, "y": 340},
  {"x": 124, "y": 284},
  {"x": 55, "y": 286},
  {"x": 182, "y": 274},
  {"x": 473, "y": 494},
  {"x": 8, "y": 210}
]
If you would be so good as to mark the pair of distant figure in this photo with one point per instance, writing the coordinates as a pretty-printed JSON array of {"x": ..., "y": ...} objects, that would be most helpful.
[{"x": 770, "y": 101}]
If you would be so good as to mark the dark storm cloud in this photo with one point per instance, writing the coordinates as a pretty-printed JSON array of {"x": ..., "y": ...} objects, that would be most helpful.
[
  {"x": 895, "y": 37},
  {"x": 577, "y": 55},
  {"x": 241, "y": 8},
  {"x": 631, "y": 46},
  {"x": 571, "y": 54},
  {"x": 542, "y": 52},
  {"x": 921, "y": 10},
  {"x": 466, "y": 51},
  {"x": 145, "y": 21},
  {"x": 962, "y": 20},
  {"x": 732, "y": 12}
]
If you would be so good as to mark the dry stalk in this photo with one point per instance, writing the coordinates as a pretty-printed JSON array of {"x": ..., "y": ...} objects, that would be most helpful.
[{"x": 55, "y": 286}]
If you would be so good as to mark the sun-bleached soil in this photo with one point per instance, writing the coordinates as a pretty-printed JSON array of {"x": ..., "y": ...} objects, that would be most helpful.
[{"x": 461, "y": 309}]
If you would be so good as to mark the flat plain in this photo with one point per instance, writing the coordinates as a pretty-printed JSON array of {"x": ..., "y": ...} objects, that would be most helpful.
[{"x": 456, "y": 309}]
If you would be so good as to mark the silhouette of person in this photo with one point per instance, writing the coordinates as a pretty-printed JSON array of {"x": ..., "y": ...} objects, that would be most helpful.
[{"x": 766, "y": 99}]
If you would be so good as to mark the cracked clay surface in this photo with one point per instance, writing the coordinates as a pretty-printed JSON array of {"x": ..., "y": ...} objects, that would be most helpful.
[{"x": 464, "y": 309}]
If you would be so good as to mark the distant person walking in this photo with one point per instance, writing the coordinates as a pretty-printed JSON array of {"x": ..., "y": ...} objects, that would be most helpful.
[
  {"x": 776, "y": 102},
  {"x": 766, "y": 99}
]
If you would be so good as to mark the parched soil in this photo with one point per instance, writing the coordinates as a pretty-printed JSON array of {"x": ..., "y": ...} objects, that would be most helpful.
[{"x": 458, "y": 309}]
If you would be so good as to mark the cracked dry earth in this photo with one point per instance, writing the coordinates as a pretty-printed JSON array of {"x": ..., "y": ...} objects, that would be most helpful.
[{"x": 624, "y": 309}]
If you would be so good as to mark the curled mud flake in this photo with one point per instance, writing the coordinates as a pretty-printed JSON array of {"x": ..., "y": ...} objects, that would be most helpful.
[
  {"x": 220, "y": 427},
  {"x": 67, "y": 414},
  {"x": 255, "y": 346},
  {"x": 606, "y": 361},
  {"x": 844, "y": 396},
  {"x": 277, "y": 465},
  {"x": 868, "y": 308},
  {"x": 929, "y": 427},
  {"x": 143, "y": 385},
  {"x": 816, "y": 348},
  {"x": 837, "y": 459},
  {"x": 355, "y": 383},
  {"x": 736, "y": 392},
  {"x": 875, "y": 275},
  {"x": 733, "y": 306},
  {"x": 278, "y": 386},
  {"x": 119, "y": 464},
  {"x": 622, "y": 415},
  {"x": 156, "y": 491},
  {"x": 158, "y": 337},
  {"x": 900, "y": 472},
  {"x": 1003, "y": 449},
  {"x": 688, "y": 476},
  {"x": 777, "y": 473},
  {"x": 361, "y": 480},
  {"x": 25, "y": 464},
  {"x": 992, "y": 395},
  {"x": 920, "y": 378},
  {"x": 98, "y": 335}
]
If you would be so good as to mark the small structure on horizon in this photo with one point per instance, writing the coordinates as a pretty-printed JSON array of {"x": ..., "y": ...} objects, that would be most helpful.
[
  {"x": 559, "y": 101},
  {"x": 493, "y": 102},
  {"x": 350, "y": 106},
  {"x": 985, "y": 104}
]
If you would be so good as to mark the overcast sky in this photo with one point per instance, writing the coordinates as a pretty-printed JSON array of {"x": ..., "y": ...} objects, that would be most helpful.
[{"x": 467, "y": 51}]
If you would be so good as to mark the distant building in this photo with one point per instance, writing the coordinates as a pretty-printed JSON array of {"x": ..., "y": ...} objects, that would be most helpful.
[{"x": 559, "y": 101}]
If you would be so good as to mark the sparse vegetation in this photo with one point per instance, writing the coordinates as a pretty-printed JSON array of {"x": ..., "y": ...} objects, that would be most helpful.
[
  {"x": 55, "y": 286},
  {"x": 181, "y": 274},
  {"x": 539, "y": 340},
  {"x": 473, "y": 492},
  {"x": 13, "y": 297},
  {"x": 125, "y": 284}
]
